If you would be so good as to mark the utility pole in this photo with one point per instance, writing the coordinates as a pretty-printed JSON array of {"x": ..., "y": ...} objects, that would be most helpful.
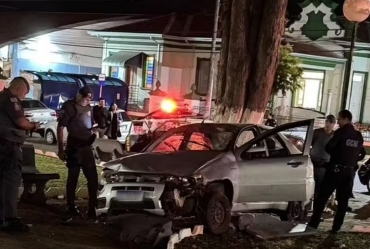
[
  {"x": 348, "y": 69},
  {"x": 213, "y": 64}
]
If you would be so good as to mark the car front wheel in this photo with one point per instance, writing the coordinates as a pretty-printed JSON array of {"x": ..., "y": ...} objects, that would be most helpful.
[
  {"x": 217, "y": 213},
  {"x": 50, "y": 137}
]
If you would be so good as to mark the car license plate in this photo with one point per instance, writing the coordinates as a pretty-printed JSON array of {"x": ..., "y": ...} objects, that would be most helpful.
[{"x": 130, "y": 195}]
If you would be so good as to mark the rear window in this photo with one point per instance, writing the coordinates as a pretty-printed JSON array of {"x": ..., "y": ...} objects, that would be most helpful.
[{"x": 32, "y": 104}]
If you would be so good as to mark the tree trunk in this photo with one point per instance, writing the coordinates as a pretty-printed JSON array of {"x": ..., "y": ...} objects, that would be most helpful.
[{"x": 251, "y": 34}]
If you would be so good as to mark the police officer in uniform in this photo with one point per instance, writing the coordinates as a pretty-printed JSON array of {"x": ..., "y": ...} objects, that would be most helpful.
[
  {"x": 13, "y": 127},
  {"x": 344, "y": 149},
  {"x": 76, "y": 116}
]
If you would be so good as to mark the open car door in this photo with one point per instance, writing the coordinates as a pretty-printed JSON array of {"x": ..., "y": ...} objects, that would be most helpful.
[{"x": 273, "y": 169}]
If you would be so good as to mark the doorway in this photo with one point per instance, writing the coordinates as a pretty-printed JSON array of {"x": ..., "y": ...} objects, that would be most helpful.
[{"x": 357, "y": 95}]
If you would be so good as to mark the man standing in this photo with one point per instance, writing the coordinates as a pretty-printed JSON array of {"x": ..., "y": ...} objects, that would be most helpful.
[
  {"x": 76, "y": 116},
  {"x": 100, "y": 113},
  {"x": 13, "y": 127},
  {"x": 319, "y": 156},
  {"x": 270, "y": 121},
  {"x": 344, "y": 149}
]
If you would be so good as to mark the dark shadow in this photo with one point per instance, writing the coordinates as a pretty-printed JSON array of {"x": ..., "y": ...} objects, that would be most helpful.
[{"x": 363, "y": 213}]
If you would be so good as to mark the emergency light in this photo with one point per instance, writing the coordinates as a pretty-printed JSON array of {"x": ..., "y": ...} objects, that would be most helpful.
[{"x": 168, "y": 105}]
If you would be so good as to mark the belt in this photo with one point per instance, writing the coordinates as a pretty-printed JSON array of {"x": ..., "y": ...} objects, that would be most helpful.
[{"x": 339, "y": 167}]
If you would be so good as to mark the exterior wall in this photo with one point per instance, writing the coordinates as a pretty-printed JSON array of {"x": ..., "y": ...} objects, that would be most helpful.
[
  {"x": 361, "y": 64},
  {"x": 178, "y": 71},
  {"x": 58, "y": 52}
]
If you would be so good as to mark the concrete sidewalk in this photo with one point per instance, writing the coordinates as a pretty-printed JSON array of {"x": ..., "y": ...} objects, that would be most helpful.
[{"x": 360, "y": 215}]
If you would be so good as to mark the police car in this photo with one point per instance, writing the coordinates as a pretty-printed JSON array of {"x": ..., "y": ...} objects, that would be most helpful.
[{"x": 169, "y": 115}]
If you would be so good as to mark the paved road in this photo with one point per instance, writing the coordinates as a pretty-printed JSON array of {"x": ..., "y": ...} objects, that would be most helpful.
[{"x": 40, "y": 144}]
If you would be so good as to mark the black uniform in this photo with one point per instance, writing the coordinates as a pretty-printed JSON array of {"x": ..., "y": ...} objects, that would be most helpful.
[
  {"x": 344, "y": 149},
  {"x": 101, "y": 118},
  {"x": 270, "y": 122},
  {"x": 11, "y": 139},
  {"x": 78, "y": 120}
]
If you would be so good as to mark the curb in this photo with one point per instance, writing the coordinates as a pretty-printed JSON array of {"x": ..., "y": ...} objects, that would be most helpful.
[{"x": 184, "y": 233}]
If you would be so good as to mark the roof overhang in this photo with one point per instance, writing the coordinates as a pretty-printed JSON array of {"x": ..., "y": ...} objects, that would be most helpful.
[{"x": 125, "y": 58}]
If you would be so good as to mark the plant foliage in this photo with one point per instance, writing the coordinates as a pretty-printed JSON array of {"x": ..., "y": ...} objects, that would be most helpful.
[{"x": 288, "y": 77}]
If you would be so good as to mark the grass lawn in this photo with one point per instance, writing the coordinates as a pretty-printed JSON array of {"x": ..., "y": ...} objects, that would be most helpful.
[{"x": 52, "y": 165}]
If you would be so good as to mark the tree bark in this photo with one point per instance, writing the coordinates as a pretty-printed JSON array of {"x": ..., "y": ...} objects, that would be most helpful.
[{"x": 251, "y": 35}]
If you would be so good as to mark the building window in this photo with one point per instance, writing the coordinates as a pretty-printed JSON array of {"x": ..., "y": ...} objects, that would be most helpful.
[
  {"x": 148, "y": 72},
  {"x": 310, "y": 95},
  {"x": 202, "y": 75},
  {"x": 356, "y": 95},
  {"x": 113, "y": 72}
]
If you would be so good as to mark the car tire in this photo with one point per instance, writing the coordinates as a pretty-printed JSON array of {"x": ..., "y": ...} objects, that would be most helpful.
[
  {"x": 294, "y": 212},
  {"x": 217, "y": 215},
  {"x": 50, "y": 137}
]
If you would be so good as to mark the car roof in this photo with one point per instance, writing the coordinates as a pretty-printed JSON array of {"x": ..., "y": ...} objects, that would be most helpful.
[{"x": 230, "y": 125}]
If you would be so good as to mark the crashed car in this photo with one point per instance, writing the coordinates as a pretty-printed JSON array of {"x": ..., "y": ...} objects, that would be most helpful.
[{"x": 212, "y": 171}]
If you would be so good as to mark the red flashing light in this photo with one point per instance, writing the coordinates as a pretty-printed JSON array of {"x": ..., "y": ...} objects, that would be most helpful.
[{"x": 168, "y": 105}]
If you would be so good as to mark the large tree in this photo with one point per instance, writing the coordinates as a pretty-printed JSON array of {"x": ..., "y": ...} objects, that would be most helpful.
[{"x": 252, "y": 31}]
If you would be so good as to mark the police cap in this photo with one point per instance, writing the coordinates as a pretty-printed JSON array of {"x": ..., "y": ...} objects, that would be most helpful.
[{"x": 86, "y": 92}]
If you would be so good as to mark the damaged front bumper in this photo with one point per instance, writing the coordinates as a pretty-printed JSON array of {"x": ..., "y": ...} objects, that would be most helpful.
[
  {"x": 160, "y": 195},
  {"x": 130, "y": 197}
]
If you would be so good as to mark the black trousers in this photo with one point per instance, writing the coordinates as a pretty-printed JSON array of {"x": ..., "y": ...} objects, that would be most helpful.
[
  {"x": 10, "y": 178},
  {"x": 319, "y": 173},
  {"x": 81, "y": 158},
  {"x": 342, "y": 182}
]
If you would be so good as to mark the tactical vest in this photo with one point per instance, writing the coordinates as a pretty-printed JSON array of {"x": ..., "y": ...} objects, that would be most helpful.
[
  {"x": 8, "y": 129},
  {"x": 81, "y": 123}
]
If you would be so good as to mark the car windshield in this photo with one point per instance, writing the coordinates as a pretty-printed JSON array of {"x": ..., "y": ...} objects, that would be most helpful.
[
  {"x": 27, "y": 104},
  {"x": 200, "y": 137}
]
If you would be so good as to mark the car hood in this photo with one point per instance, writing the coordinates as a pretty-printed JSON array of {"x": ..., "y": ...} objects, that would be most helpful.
[{"x": 181, "y": 163}]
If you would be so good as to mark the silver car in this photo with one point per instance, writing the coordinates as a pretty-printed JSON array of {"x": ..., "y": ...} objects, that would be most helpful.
[
  {"x": 36, "y": 111},
  {"x": 211, "y": 171}
]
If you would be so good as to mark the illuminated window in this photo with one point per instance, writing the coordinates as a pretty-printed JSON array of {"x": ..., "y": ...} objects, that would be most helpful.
[
  {"x": 113, "y": 72},
  {"x": 148, "y": 73},
  {"x": 310, "y": 95}
]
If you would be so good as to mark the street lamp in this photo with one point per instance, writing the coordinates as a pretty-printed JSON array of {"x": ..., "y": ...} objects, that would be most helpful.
[{"x": 355, "y": 11}]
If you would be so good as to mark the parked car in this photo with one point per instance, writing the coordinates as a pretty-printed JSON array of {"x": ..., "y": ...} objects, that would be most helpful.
[
  {"x": 211, "y": 171},
  {"x": 36, "y": 111},
  {"x": 125, "y": 127}
]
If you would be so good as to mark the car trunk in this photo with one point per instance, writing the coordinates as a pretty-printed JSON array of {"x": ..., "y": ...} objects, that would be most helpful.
[{"x": 43, "y": 116}]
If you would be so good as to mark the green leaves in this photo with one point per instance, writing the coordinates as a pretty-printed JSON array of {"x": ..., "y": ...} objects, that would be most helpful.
[{"x": 288, "y": 75}]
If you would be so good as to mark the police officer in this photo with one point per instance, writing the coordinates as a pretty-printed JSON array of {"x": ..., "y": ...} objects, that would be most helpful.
[
  {"x": 344, "y": 149},
  {"x": 76, "y": 116},
  {"x": 13, "y": 127}
]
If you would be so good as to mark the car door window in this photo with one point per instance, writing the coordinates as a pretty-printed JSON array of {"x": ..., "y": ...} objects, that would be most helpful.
[
  {"x": 276, "y": 145},
  {"x": 170, "y": 144},
  {"x": 244, "y": 137}
]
